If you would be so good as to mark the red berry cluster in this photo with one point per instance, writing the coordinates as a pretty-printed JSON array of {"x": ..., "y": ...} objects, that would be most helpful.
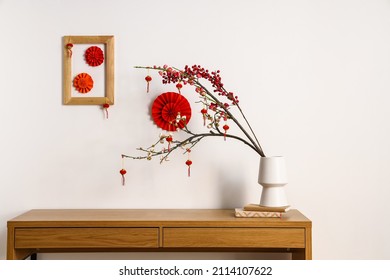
[
  {"x": 169, "y": 75},
  {"x": 214, "y": 78},
  {"x": 193, "y": 73},
  {"x": 200, "y": 72}
]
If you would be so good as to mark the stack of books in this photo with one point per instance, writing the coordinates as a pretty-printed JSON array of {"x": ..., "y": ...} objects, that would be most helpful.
[{"x": 258, "y": 211}]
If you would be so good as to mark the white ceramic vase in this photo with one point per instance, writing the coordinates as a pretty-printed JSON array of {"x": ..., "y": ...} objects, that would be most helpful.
[{"x": 273, "y": 178}]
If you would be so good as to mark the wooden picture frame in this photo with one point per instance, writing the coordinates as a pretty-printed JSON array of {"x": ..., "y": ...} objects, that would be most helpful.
[{"x": 107, "y": 94}]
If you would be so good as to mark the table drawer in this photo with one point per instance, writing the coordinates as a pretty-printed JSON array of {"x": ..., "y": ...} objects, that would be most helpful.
[
  {"x": 234, "y": 237},
  {"x": 86, "y": 238}
]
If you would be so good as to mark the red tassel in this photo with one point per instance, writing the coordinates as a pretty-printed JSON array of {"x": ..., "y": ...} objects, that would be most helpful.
[
  {"x": 105, "y": 108},
  {"x": 69, "y": 48},
  {"x": 169, "y": 140},
  {"x": 148, "y": 79},
  {"x": 204, "y": 112},
  {"x": 225, "y": 127},
  {"x": 189, "y": 162},
  {"x": 123, "y": 172},
  {"x": 179, "y": 86}
]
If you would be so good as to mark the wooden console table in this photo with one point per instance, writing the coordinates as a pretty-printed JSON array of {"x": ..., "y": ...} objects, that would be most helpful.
[{"x": 104, "y": 230}]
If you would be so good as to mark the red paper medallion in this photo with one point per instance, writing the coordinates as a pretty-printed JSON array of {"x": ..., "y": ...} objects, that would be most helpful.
[
  {"x": 94, "y": 56},
  {"x": 83, "y": 83},
  {"x": 166, "y": 108}
]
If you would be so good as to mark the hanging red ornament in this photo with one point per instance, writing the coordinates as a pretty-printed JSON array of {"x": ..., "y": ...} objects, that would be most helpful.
[
  {"x": 204, "y": 113},
  {"x": 189, "y": 162},
  {"x": 94, "y": 56},
  {"x": 83, "y": 83},
  {"x": 226, "y": 128},
  {"x": 165, "y": 109},
  {"x": 148, "y": 79},
  {"x": 105, "y": 108},
  {"x": 69, "y": 48},
  {"x": 123, "y": 172},
  {"x": 169, "y": 139},
  {"x": 179, "y": 86}
]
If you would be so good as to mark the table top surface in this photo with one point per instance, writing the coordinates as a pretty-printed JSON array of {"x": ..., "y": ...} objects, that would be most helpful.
[{"x": 171, "y": 216}]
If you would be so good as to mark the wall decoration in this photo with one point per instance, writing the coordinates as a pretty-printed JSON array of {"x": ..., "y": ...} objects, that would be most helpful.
[
  {"x": 171, "y": 111},
  {"x": 219, "y": 109},
  {"x": 69, "y": 48},
  {"x": 94, "y": 56},
  {"x": 83, "y": 83},
  {"x": 88, "y": 74},
  {"x": 148, "y": 79},
  {"x": 105, "y": 108}
]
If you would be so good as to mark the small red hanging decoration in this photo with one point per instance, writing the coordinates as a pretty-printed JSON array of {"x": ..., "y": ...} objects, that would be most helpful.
[
  {"x": 148, "y": 79},
  {"x": 94, "y": 56},
  {"x": 105, "y": 108},
  {"x": 204, "y": 113},
  {"x": 83, "y": 83},
  {"x": 123, "y": 172},
  {"x": 226, "y": 128},
  {"x": 189, "y": 162},
  {"x": 179, "y": 86},
  {"x": 165, "y": 109},
  {"x": 69, "y": 48},
  {"x": 169, "y": 140}
]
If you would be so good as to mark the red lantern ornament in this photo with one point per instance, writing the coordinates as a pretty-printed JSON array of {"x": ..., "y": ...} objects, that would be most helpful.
[
  {"x": 94, "y": 56},
  {"x": 169, "y": 139},
  {"x": 189, "y": 162},
  {"x": 147, "y": 79},
  {"x": 179, "y": 86},
  {"x": 69, "y": 48},
  {"x": 204, "y": 113},
  {"x": 226, "y": 128},
  {"x": 123, "y": 172},
  {"x": 165, "y": 109},
  {"x": 105, "y": 108}
]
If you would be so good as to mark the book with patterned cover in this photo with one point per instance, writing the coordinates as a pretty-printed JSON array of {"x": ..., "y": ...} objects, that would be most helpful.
[
  {"x": 257, "y": 207},
  {"x": 241, "y": 213}
]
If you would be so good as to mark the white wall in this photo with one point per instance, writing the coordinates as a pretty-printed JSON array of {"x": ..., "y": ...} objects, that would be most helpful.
[{"x": 313, "y": 78}]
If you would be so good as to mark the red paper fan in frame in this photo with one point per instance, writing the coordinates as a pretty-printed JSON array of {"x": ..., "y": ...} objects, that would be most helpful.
[
  {"x": 83, "y": 83},
  {"x": 165, "y": 109},
  {"x": 94, "y": 56}
]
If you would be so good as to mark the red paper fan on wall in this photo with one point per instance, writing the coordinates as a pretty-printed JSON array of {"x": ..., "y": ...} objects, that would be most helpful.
[
  {"x": 83, "y": 83},
  {"x": 94, "y": 56},
  {"x": 166, "y": 108}
]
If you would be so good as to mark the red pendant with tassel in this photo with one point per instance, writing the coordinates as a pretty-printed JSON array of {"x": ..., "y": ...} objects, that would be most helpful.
[
  {"x": 105, "y": 108},
  {"x": 148, "y": 79},
  {"x": 204, "y": 113},
  {"x": 189, "y": 162},
  {"x": 226, "y": 128},
  {"x": 123, "y": 172},
  {"x": 69, "y": 49},
  {"x": 169, "y": 140},
  {"x": 179, "y": 86}
]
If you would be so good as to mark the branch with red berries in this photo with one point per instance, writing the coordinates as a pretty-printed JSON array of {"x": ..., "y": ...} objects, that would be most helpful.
[{"x": 215, "y": 113}]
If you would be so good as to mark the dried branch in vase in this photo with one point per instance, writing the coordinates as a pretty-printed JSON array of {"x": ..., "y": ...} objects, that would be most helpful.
[{"x": 216, "y": 114}]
